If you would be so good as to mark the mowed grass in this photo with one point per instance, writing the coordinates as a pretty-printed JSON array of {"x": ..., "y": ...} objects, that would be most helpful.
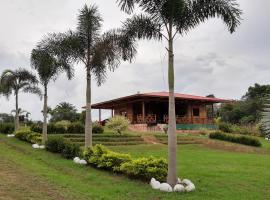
[{"x": 217, "y": 174}]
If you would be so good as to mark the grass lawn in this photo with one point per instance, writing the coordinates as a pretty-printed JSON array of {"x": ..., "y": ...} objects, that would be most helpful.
[{"x": 218, "y": 173}]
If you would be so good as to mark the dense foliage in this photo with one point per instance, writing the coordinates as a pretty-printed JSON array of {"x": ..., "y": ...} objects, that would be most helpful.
[
  {"x": 64, "y": 127},
  {"x": 67, "y": 149},
  {"x": 25, "y": 134},
  {"x": 235, "y": 139},
  {"x": 64, "y": 112},
  {"x": 248, "y": 109},
  {"x": 7, "y": 128},
  {"x": 143, "y": 168}
]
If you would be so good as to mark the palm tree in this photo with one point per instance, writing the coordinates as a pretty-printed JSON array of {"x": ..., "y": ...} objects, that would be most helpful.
[
  {"x": 48, "y": 68},
  {"x": 97, "y": 52},
  {"x": 164, "y": 19},
  {"x": 16, "y": 81}
]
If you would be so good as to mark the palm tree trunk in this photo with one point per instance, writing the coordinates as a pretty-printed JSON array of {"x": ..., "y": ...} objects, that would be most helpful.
[
  {"x": 45, "y": 112},
  {"x": 17, "y": 122},
  {"x": 88, "y": 118},
  {"x": 172, "y": 140}
]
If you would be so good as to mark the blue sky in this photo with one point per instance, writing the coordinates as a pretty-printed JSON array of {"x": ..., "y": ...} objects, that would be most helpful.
[{"x": 208, "y": 60}]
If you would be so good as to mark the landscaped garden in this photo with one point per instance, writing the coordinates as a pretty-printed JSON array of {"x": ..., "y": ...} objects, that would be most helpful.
[{"x": 219, "y": 169}]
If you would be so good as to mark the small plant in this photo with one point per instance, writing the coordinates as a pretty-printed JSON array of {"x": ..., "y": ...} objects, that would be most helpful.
[
  {"x": 119, "y": 124},
  {"x": 71, "y": 150},
  {"x": 25, "y": 134},
  {"x": 55, "y": 144},
  {"x": 63, "y": 124},
  {"x": 225, "y": 127},
  {"x": 165, "y": 128}
]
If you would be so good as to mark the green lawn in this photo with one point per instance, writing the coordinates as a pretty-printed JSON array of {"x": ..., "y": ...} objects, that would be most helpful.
[{"x": 217, "y": 174}]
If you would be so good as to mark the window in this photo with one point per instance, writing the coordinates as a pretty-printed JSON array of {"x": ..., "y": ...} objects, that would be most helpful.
[{"x": 196, "y": 112}]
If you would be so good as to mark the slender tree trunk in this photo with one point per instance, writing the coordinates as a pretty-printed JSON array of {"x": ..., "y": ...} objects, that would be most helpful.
[
  {"x": 17, "y": 122},
  {"x": 45, "y": 113},
  {"x": 88, "y": 118},
  {"x": 172, "y": 140}
]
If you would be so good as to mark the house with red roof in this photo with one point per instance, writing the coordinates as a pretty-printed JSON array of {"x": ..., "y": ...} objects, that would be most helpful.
[{"x": 149, "y": 111}]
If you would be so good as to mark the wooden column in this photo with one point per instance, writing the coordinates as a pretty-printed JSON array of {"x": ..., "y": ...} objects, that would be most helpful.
[
  {"x": 143, "y": 111},
  {"x": 99, "y": 115},
  {"x": 112, "y": 113}
]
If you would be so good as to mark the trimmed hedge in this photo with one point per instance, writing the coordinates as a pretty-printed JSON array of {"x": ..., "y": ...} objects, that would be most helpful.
[
  {"x": 27, "y": 135},
  {"x": 72, "y": 128},
  {"x": 67, "y": 149},
  {"x": 143, "y": 168},
  {"x": 7, "y": 128},
  {"x": 236, "y": 139}
]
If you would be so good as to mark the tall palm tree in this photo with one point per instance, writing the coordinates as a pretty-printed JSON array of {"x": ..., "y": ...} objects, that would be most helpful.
[
  {"x": 97, "y": 52},
  {"x": 164, "y": 19},
  {"x": 16, "y": 81},
  {"x": 48, "y": 68}
]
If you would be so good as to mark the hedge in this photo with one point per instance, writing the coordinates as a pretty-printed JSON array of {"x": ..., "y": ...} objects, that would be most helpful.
[
  {"x": 73, "y": 128},
  {"x": 236, "y": 139},
  {"x": 27, "y": 135},
  {"x": 57, "y": 144},
  {"x": 7, "y": 128},
  {"x": 142, "y": 168}
]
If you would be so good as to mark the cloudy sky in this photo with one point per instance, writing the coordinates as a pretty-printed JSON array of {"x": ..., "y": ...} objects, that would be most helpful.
[{"x": 208, "y": 59}]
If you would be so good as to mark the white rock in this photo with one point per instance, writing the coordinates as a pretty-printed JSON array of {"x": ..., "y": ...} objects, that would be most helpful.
[
  {"x": 155, "y": 184},
  {"x": 10, "y": 135},
  {"x": 76, "y": 159},
  {"x": 42, "y": 147},
  {"x": 82, "y": 162},
  {"x": 267, "y": 138},
  {"x": 190, "y": 187},
  {"x": 187, "y": 182},
  {"x": 35, "y": 146},
  {"x": 179, "y": 188},
  {"x": 165, "y": 187}
]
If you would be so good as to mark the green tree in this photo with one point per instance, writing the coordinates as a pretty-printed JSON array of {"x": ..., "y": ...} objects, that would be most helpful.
[
  {"x": 48, "y": 68},
  {"x": 164, "y": 19},
  {"x": 64, "y": 112},
  {"x": 97, "y": 52},
  {"x": 16, "y": 81}
]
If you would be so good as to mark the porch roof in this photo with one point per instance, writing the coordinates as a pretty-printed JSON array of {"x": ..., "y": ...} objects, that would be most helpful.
[{"x": 155, "y": 96}]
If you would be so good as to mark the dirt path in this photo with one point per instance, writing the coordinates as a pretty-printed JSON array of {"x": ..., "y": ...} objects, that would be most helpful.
[
  {"x": 18, "y": 184},
  {"x": 150, "y": 139}
]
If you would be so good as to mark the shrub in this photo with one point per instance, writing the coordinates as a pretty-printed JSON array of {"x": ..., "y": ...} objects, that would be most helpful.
[
  {"x": 71, "y": 150},
  {"x": 146, "y": 168},
  {"x": 118, "y": 124},
  {"x": 235, "y": 139},
  {"x": 225, "y": 127},
  {"x": 113, "y": 161},
  {"x": 97, "y": 152},
  {"x": 7, "y": 128},
  {"x": 36, "y": 128},
  {"x": 64, "y": 124},
  {"x": 75, "y": 127},
  {"x": 25, "y": 134},
  {"x": 97, "y": 128},
  {"x": 55, "y": 144}
]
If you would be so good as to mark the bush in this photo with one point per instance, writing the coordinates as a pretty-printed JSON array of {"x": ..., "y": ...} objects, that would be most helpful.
[
  {"x": 55, "y": 144},
  {"x": 146, "y": 168},
  {"x": 97, "y": 128},
  {"x": 36, "y": 128},
  {"x": 71, "y": 150},
  {"x": 76, "y": 127},
  {"x": 63, "y": 124},
  {"x": 113, "y": 161},
  {"x": 225, "y": 127},
  {"x": 118, "y": 124},
  {"x": 25, "y": 134},
  {"x": 97, "y": 152},
  {"x": 7, "y": 128},
  {"x": 236, "y": 139}
]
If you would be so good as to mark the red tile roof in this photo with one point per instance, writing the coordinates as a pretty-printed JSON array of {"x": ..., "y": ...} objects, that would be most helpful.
[{"x": 107, "y": 104}]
